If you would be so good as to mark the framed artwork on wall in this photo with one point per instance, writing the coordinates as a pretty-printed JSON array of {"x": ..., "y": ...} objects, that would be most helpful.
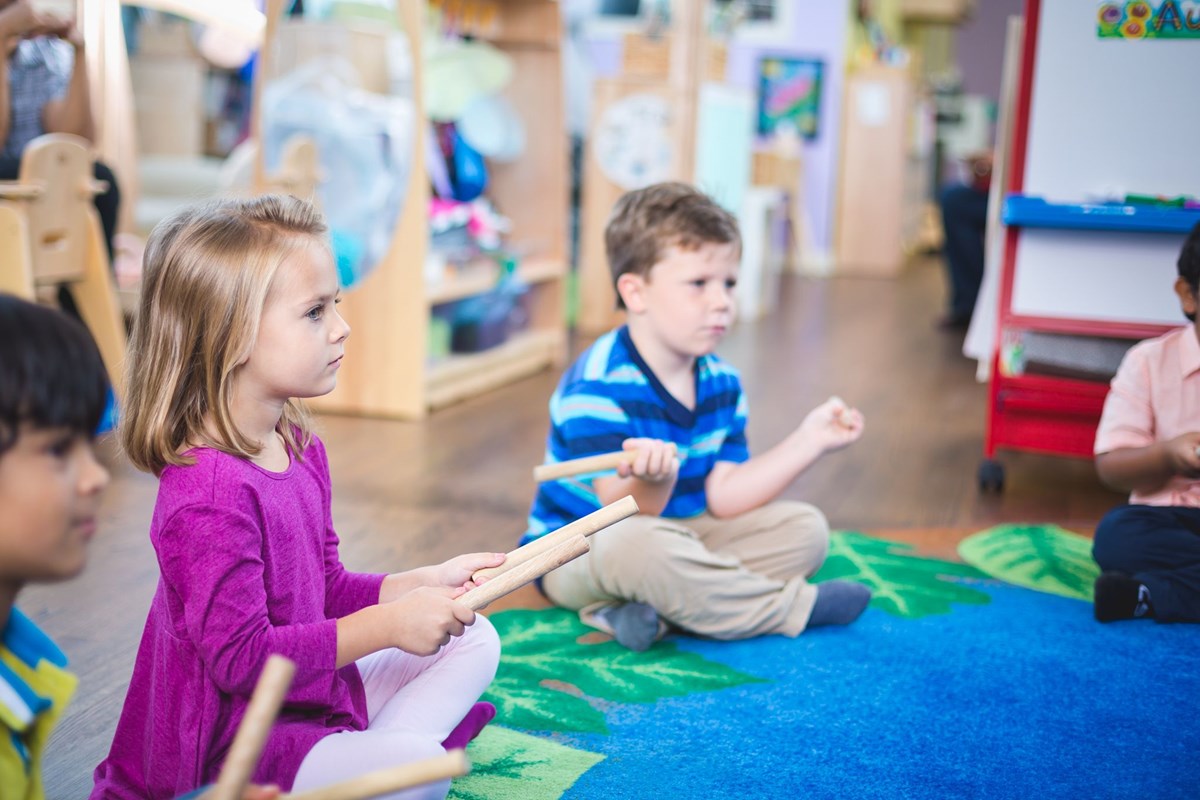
[
  {"x": 615, "y": 18},
  {"x": 789, "y": 95},
  {"x": 758, "y": 21}
]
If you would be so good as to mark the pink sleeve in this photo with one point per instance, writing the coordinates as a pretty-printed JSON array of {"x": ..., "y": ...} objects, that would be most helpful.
[
  {"x": 210, "y": 557},
  {"x": 1128, "y": 418},
  {"x": 345, "y": 591}
]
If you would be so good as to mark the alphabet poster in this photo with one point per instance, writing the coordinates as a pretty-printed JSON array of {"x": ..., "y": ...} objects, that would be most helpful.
[{"x": 1149, "y": 19}]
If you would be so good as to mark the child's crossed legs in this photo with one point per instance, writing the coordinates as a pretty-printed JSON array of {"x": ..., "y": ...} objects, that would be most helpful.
[
  {"x": 413, "y": 703},
  {"x": 723, "y": 578}
]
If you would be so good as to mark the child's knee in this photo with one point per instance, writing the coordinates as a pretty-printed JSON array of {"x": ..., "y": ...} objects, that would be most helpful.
[
  {"x": 482, "y": 638},
  {"x": 807, "y": 521},
  {"x": 1112, "y": 544}
]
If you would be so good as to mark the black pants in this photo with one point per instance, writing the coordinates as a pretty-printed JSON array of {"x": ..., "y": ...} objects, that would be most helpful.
[
  {"x": 1158, "y": 546},
  {"x": 106, "y": 204},
  {"x": 964, "y": 219}
]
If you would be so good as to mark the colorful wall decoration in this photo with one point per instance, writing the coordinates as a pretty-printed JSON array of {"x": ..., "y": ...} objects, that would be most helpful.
[
  {"x": 789, "y": 93},
  {"x": 1149, "y": 19}
]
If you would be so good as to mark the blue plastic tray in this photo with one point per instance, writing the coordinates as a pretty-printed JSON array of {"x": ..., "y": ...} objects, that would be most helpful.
[{"x": 1035, "y": 212}]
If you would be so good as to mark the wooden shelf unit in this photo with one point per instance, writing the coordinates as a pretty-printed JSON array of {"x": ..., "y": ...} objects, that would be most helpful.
[
  {"x": 388, "y": 372},
  {"x": 480, "y": 276}
]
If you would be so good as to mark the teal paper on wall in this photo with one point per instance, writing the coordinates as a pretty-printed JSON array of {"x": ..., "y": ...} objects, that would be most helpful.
[{"x": 724, "y": 143}]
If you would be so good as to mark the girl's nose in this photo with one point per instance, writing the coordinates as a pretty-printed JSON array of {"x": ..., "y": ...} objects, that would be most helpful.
[{"x": 342, "y": 330}]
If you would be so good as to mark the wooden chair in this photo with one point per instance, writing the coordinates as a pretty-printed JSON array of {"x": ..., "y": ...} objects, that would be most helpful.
[{"x": 50, "y": 236}]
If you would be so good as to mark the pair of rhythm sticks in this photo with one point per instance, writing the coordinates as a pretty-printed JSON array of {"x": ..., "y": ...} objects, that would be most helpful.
[
  {"x": 611, "y": 461},
  {"x": 522, "y": 565}
]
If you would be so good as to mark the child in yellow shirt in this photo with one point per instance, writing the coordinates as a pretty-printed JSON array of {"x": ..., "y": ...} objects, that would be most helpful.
[{"x": 52, "y": 394}]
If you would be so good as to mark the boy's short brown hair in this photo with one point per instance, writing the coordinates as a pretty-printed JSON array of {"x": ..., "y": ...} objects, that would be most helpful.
[{"x": 645, "y": 222}]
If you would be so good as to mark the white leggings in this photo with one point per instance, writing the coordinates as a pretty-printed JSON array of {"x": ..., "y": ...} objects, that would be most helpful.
[{"x": 413, "y": 703}]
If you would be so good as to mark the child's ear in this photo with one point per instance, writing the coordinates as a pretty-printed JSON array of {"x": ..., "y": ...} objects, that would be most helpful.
[
  {"x": 1187, "y": 296},
  {"x": 631, "y": 287}
]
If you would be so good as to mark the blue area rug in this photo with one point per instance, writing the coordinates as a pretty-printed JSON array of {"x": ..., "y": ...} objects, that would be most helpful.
[
  {"x": 1012, "y": 694},
  {"x": 1025, "y": 697}
]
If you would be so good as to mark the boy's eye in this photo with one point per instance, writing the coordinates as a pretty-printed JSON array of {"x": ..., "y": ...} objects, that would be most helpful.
[
  {"x": 60, "y": 447},
  {"x": 315, "y": 312},
  {"x": 730, "y": 283}
]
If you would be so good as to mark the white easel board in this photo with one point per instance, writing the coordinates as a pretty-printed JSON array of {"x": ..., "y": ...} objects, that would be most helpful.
[
  {"x": 1090, "y": 275},
  {"x": 1107, "y": 116}
]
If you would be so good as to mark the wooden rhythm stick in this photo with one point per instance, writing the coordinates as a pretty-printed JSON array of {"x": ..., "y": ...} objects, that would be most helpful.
[
  {"x": 582, "y": 466},
  {"x": 252, "y": 733},
  {"x": 385, "y": 781},
  {"x": 584, "y": 526},
  {"x": 523, "y": 573}
]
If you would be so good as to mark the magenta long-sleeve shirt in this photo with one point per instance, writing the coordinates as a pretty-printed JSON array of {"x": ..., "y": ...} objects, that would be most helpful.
[{"x": 250, "y": 567}]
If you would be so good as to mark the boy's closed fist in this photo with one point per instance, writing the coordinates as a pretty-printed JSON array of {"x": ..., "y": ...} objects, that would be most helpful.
[
  {"x": 1183, "y": 456},
  {"x": 656, "y": 461},
  {"x": 832, "y": 425}
]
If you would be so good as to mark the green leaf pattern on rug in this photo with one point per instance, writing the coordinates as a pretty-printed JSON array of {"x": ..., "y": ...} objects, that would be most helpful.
[
  {"x": 508, "y": 765},
  {"x": 548, "y": 681},
  {"x": 901, "y": 584},
  {"x": 1045, "y": 558}
]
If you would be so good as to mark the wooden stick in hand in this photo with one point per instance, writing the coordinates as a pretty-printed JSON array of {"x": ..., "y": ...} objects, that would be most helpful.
[
  {"x": 394, "y": 779},
  {"x": 252, "y": 733},
  {"x": 582, "y": 466},
  {"x": 522, "y": 574},
  {"x": 584, "y": 526}
]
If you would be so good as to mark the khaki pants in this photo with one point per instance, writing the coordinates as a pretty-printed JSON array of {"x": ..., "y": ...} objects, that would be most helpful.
[{"x": 722, "y": 578}]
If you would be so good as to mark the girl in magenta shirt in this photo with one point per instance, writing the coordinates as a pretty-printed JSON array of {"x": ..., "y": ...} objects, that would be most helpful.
[{"x": 237, "y": 319}]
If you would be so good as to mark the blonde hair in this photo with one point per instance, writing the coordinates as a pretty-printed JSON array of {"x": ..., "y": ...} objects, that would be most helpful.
[{"x": 207, "y": 272}]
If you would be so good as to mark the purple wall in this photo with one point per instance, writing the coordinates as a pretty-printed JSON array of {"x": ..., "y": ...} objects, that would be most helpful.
[
  {"x": 979, "y": 46},
  {"x": 820, "y": 31}
]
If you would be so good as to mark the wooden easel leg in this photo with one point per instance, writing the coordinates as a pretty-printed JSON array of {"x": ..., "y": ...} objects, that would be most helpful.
[
  {"x": 96, "y": 298},
  {"x": 16, "y": 271}
]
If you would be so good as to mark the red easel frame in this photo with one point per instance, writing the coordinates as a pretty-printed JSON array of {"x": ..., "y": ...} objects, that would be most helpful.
[{"x": 1035, "y": 413}]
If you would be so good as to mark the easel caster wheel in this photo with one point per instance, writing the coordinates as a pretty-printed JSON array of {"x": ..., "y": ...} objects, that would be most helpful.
[{"x": 991, "y": 476}]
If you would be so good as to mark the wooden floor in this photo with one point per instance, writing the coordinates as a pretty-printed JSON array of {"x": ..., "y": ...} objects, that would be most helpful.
[{"x": 408, "y": 494}]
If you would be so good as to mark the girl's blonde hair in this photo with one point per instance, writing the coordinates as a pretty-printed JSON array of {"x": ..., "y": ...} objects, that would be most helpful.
[{"x": 207, "y": 272}]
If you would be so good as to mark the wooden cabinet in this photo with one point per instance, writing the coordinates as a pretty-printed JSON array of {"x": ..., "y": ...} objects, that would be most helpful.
[
  {"x": 885, "y": 167},
  {"x": 388, "y": 371}
]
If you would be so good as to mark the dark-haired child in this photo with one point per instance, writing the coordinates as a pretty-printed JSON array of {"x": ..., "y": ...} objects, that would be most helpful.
[
  {"x": 53, "y": 390},
  {"x": 1147, "y": 443},
  {"x": 52, "y": 394}
]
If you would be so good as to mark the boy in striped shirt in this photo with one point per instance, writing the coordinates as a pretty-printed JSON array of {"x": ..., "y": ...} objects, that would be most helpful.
[{"x": 712, "y": 551}]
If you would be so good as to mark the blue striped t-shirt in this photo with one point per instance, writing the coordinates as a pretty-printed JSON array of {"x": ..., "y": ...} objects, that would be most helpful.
[{"x": 609, "y": 395}]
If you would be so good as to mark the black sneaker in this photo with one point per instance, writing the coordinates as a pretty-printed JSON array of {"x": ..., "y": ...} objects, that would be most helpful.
[{"x": 1119, "y": 596}]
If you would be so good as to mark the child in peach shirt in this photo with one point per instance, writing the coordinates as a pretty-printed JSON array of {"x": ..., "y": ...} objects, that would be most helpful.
[{"x": 1147, "y": 444}]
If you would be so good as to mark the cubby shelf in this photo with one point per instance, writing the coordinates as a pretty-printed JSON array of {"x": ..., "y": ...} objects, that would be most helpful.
[
  {"x": 388, "y": 371},
  {"x": 480, "y": 276}
]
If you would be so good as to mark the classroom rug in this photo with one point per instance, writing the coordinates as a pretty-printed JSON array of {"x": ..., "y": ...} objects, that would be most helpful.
[{"x": 958, "y": 681}]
